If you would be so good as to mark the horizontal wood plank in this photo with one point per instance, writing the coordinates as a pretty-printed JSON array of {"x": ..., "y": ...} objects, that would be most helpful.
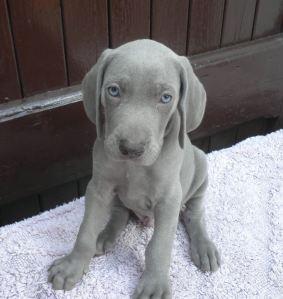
[
  {"x": 223, "y": 139},
  {"x": 242, "y": 83},
  {"x": 82, "y": 184},
  {"x": 58, "y": 195},
  {"x": 274, "y": 124},
  {"x": 47, "y": 148},
  {"x": 252, "y": 128},
  {"x": 202, "y": 143},
  {"x": 20, "y": 209}
]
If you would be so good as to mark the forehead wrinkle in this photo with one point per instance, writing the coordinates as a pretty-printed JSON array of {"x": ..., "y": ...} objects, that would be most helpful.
[
  {"x": 139, "y": 74},
  {"x": 124, "y": 80},
  {"x": 164, "y": 85},
  {"x": 143, "y": 62}
]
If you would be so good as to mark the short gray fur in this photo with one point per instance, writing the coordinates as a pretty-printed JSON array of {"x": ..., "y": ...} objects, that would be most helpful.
[{"x": 161, "y": 175}]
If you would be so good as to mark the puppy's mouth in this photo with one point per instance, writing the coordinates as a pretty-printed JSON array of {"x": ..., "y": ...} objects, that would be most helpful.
[
  {"x": 128, "y": 158},
  {"x": 132, "y": 155},
  {"x": 147, "y": 158},
  {"x": 142, "y": 155},
  {"x": 135, "y": 159}
]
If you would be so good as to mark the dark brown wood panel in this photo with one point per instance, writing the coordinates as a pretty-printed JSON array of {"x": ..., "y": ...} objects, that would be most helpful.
[
  {"x": 66, "y": 192},
  {"x": 129, "y": 20},
  {"x": 37, "y": 29},
  {"x": 269, "y": 18},
  {"x": 274, "y": 124},
  {"x": 223, "y": 139},
  {"x": 82, "y": 184},
  {"x": 51, "y": 146},
  {"x": 202, "y": 143},
  {"x": 20, "y": 209},
  {"x": 9, "y": 82},
  {"x": 242, "y": 83},
  {"x": 251, "y": 128},
  {"x": 278, "y": 124},
  {"x": 169, "y": 23},
  {"x": 58, "y": 195},
  {"x": 238, "y": 21},
  {"x": 205, "y": 25},
  {"x": 86, "y": 34}
]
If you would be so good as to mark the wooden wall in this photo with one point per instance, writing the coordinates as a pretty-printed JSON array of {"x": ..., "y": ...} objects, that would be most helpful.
[
  {"x": 235, "y": 46},
  {"x": 51, "y": 44},
  {"x": 47, "y": 197}
]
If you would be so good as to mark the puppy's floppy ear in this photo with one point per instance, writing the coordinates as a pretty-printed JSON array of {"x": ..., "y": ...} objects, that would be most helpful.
[
  {"x": 192, "y": 100},
  {"x": 91, "y": 87}
]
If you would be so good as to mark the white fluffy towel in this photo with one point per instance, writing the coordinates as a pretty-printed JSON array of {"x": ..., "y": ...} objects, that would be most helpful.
[{"x": 244, "y": 212}]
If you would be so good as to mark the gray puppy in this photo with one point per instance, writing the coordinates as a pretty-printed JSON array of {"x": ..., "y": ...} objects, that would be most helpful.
[{"x": 144, "y": 99}]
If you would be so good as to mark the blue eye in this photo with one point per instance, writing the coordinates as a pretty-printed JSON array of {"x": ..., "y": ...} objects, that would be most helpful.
[
  {"x": 166, "y": 98},
  {"x": 114, "y": 91}
]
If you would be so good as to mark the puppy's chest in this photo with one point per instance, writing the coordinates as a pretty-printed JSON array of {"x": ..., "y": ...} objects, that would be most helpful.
[{"x": 138, "y": 193}]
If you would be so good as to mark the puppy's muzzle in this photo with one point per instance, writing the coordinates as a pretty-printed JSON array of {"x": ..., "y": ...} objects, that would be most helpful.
[{"x": 130, "y": 150}]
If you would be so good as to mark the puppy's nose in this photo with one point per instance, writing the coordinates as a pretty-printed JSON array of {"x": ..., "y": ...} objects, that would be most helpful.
[{"x": 131, "y": 150}]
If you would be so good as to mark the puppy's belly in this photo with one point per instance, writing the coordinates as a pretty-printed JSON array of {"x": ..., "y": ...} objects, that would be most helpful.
[
  {"x": 146, "y": 220},
  {"x": 141, "y": 205}
]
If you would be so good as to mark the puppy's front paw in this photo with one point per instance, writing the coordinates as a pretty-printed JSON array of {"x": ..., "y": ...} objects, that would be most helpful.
[
  {"x": 64, "y": 273},
  {"x": 152, "y": 286},
  {"x": 205, "y": 255}
]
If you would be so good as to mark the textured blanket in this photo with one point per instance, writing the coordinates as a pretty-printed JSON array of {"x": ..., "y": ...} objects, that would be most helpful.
[{"x": 244, "y": 211}]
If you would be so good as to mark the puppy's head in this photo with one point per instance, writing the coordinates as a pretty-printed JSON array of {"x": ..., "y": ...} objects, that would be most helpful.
[{"x": 131, "y": 94}]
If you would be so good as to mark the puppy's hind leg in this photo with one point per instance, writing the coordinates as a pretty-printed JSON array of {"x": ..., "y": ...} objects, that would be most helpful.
[
  {"x": 118, "y": 221},
  {"x": 203, "y": 252}
]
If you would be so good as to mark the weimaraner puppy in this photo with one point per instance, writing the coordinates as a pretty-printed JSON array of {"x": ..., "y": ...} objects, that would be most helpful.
[{"x": 143, "y": 99}]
